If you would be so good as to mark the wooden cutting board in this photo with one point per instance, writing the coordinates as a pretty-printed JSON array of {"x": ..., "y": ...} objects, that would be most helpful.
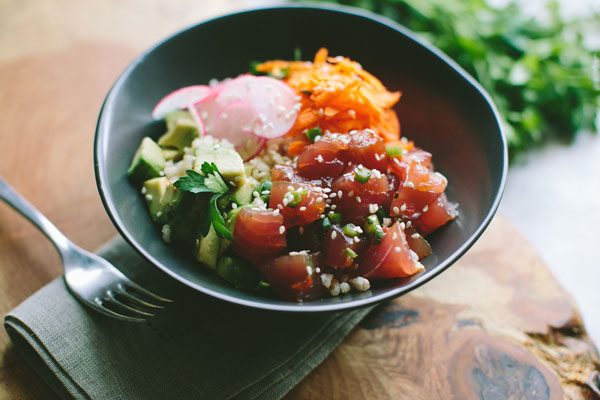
[{"x": 494, "y": 326}]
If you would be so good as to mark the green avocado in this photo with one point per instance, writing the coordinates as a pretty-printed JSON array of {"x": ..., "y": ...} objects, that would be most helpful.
[
  {"x": 181, "y": 131},
  {"x": 208, "y": 248},
  {"x": 148, "y": 162},
  {"x": 243, "y": 194},
  {"x": 229, "y": 162},
  {"x": 171, "y": 154},
  {"x": 158, "y": 196},
  {"x": 238, "y": 272}
]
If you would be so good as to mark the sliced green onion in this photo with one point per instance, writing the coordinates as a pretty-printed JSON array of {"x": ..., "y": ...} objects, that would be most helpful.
[
  {"x": 351, "y": 230},
  {"x": 393, "y": 151},
  {"x": 312, "y": 133},
  {"x": 335, "y": 218},
  {"x": 362, "y": 175},
  {"x": 350, "y": 253},
  {"x": 326, "y": 224},
  {"x": 297, "y": 198}
]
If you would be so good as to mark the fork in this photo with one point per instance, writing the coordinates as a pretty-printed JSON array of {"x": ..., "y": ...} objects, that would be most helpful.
[{"x": 90, "y": 278}]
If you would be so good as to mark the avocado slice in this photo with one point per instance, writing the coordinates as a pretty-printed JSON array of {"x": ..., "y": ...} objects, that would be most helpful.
[
  {"x": 243, "y": 194},
  {"x": 229, "y": 162},
  {"x": 181, "y": 131},
  {"x": 208, "y": 248},
  {"x": 238, "y": 272},
  {"x": 171, "y": 154},
  {"x": 160, "y": 195},
  {"x": 148, "y": 162}
]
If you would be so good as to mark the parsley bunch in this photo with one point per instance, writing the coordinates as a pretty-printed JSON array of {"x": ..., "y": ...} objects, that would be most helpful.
[
  {"x": 539, "y": 71},
  {"x": 210, "y": 181}
]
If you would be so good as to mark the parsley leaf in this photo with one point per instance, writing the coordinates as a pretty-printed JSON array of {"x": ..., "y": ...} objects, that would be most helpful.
[
  {"x": 210, "y": 181},
  {"x": 213, "y": 179},
  {"x": 193, "y": 182},
  {"x": 217, "y": 219}
]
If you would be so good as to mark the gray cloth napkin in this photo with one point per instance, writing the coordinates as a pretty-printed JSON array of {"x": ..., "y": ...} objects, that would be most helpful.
[{"x": 199, "y": 349}]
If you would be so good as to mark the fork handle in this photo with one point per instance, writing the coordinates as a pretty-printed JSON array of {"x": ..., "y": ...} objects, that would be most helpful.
[{"x": 16, "y": 201}]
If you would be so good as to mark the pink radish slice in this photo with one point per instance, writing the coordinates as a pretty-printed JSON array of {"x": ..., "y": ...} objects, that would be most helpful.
[
  {"x": 179, "y": 99},
  {"x": 197, "y": 120},
  {"x": 236, "y": 123},
  {"x": 275, "y": 103}
]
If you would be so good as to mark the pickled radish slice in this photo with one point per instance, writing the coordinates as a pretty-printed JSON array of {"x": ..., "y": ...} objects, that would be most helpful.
[{"x": 180, "y": 99}]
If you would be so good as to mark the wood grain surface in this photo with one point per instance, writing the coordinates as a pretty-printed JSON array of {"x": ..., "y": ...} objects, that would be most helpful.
[{"x": 495, "y": 326}]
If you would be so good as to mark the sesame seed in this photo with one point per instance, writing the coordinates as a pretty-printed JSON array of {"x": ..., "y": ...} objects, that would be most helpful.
[
  {"x": 281, "y": 229},
  {"x": 403, "y": 208},
  {"x": 320, "y": 158},
  {"x": 333, "y": 235},
  {"x": 395, "y": 235},
  {"x": 358, "y": 199},
  {"x": 425, "y": 208},
  {"x": 410, "y": 185},
  {"x": 158, "y": 214},
  {"x": 328, "y": 201},
  {"x": 301, "y": 230},
  {"x": 318, "y": 270},
  {"x": 144, "y": 190},
  {"x": 408, "y": 224},
  {"x": 397, "y": 249},
  {"x": 415, "y": 236},
  {"x": 373, "y": 208},
  {"x": 255, "y": 194},
  {"x": 332, "y": 195},
  {"x": 402, "y": 225},
  {"x": 339, "y": 193},
  {"x": 396, "y": 210},
  {"x": 149, "y": 197},
  {"x": 333, "y": 206},
  {"x": 326, "y": 190},
  {"x": 319, "y": 199},
  {"x": 265, "y": 192},
  {"x": 233, "y": 206},
  {"x": 356, "y": 239},
  {"x": 302, "y": 208}
]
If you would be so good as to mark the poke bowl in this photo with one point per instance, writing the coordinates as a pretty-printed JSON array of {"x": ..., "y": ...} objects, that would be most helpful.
[{"x": 297, "y": 169}]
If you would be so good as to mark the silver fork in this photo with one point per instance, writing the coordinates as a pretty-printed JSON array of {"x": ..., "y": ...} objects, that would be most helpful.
[{"x": 91, "y": 279}]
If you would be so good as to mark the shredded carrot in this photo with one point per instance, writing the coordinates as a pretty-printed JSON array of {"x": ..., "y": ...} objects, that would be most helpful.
[
  {"x": 295, "y": 147},
  {"x": 337, "y": 95}
]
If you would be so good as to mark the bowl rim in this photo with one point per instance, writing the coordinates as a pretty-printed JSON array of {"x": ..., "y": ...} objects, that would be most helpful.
[{"x": 102, "y": 184}]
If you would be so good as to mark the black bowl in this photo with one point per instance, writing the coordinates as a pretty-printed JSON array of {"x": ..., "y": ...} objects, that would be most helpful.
[{"x": 442, "y": 108}]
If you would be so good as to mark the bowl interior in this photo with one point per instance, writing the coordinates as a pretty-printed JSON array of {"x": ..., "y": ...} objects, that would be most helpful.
[{"x": 441, "y": 109}]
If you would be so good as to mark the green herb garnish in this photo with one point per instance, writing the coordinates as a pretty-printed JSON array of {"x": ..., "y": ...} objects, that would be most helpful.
[
  {"x": 393, "y": 151},
  {"x": 296, "y": 198},
  {"x": 362, "y": 174},
  {"x": 312, "y": 133},
  {"x": 373, "y": 228},
  {"x": 326, "y": 223},
  {"x": 350, "y": 253},
  {"x": 351, "y": 230},
  {"x": 210, "y": 181},
  {"x": 538, "y": 70},
  {"x": 335, "y": 218}
]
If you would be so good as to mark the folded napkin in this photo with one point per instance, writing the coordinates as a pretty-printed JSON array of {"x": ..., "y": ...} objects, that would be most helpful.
[{"x": 198, "y": 349}]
